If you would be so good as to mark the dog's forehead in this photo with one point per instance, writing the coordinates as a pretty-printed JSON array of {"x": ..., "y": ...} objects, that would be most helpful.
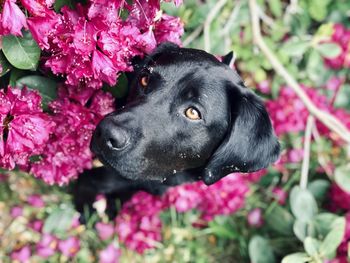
[{"x": 185, "y": 61}]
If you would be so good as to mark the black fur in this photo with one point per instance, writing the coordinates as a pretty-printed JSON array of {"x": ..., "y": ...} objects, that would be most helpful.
[{"x": 149, "y": 144}]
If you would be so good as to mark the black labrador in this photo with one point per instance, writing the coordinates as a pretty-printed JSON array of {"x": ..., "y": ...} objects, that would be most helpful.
[{"x": 188, "y": 117}]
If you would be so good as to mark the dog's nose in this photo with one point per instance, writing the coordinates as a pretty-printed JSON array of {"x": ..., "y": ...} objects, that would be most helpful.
[{"x": 113, "y": 136}]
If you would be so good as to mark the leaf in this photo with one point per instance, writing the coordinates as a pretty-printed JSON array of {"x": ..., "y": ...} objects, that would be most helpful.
[
  {"x": 61, "y": 3},
  {"x": 280, "y": 220},
  {"x": 333, "y": 238},
  {"x": 46, "y": 87},
  {"x": 329, "y": 50},
  {"x": 21, "y": 52},
  {"x": 342, "y": 177},
  {"x": 296, "y": 258},
  {"x": 295, "y": 47},
  {"x": 315, "y": 67},
  {"x": 311, "y": 246},
  {"x": 300, "y": 229},
  {"x": 260, "y": 250},
  {"x": 319, "y": 188},
  {"x": 15, "y": 75},
  {"x": 222, "y": 229},
  {"x": 5, "y": 65},
  {"x": 119, "y": 90},
  {"x": 276, "y": 7},
  {"x": 323, "y": 223},
  {"x": 303, "y": 204},
  {"x": 59, "y": 220},
  {"x": 343, "y": 98}
]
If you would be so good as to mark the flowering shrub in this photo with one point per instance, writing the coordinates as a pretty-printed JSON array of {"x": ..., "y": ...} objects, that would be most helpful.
[{"x": 62, "y": 67}]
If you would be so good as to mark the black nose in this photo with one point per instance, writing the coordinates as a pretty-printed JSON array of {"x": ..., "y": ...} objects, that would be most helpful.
[{"x": 111, "y": 135}]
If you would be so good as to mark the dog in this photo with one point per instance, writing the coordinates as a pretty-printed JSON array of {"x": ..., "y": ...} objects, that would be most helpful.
[{"x": 188, "y": 117}]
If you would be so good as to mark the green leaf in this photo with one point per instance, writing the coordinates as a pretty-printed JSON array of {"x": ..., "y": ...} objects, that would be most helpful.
[
  {"x": 342, "y": 177},
  {"x": 300, "y": 229},
  {"x": 119, "y": 90},
  {"x": 315, "y": 67},
  {"x": 222, "y": 229},
  {"x": 303, "y": 204},
  {"x": 59, "y": 221},
  {"x": 46, "y": 87},
  {"x": 15, "y": 75},
  {"x": 323, "y": 223},
  {"x": 21, "y": 52},
  {"x": 61, "y": 3},
  {"x": 276, "y": 7},
  {"x": 280, "y": 220},
  {"x": 334, "y": 238},
  {"x": 329, "y": 50},
  {"x": 6, "y": 66},
  {"x": 295, "y": 47},
  {"x": 296, "y": 258},
  {"x": 343, "y": 97},
  {"x": 311, "y": 246},
  {"x": 260, "y": 250},
  {"x": 319, "y": 188}
]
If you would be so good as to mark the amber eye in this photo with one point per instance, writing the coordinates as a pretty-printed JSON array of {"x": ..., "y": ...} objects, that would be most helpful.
[
  {"x": 144, "y": 81},
  {"x": 193, "y": 113}
]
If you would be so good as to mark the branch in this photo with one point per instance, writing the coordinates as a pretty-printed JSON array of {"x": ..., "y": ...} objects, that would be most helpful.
[
  {"x": 306, "y": 156},
  {"x": 211, "y": 16},
  {"x": 327, "y": 119}
]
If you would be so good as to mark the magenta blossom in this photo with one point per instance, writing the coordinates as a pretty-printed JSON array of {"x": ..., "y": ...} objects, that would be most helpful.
[
  {"x": 338, "y": 198},
  {"x": 280, "y": 195},
  {"x": 70, "y": 246},
  {"x": 12, "y": 19},
  {"x": 35, "y": 201},
  {"x": 24, "y": 128},
  {"x": 47, "y": 246},
  {"x": 16, "y": 211},
  {"x": 255, "y": 218},
  {"x": 110, "y": 254},
  {"x": 105, "y": 231},
  {"x": 22, "y": 255}
]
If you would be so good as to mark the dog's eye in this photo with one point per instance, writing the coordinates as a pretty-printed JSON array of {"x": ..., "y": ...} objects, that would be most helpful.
[
  {"x": 144, "y": 81},
  {"x": 193, "y": 114}
]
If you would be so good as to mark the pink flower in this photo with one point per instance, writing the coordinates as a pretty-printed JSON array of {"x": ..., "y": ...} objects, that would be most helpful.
[
  {"x": 35, "y": 201},
  {"x": 47, "y": 246},
  {"x": 184, "y": 198},
  {"x": 254, "y": 217},
  {"x": 280, "y": 195},
  {"x": 105, "y": 231},
  {"x": 103, "y": 68},
  {"x": 12, "y": 19},
  {"x": 338, "y": 198},
  {"x": 16, "y": 211},
  {"x": 169, "y": 28},
  {"x": 22, "y": 255},
  {"x": 110, "y": 254},
  {"x": 36, "y": 225},
  {"x": 68, "y": 151},
  {"x": 69, "y": 247},
  {"x": 41, "y": 28},
  {"x": 24, "y": 128}
]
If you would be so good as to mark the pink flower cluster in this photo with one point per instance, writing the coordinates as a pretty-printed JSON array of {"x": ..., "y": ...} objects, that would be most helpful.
[
  {"x": 288, "y": 112},
  {"x": 138, "y": 224},
  {"x": 91, "y": 44},
  {"x": 340, "y": 36},
  {"x": 24, "y": 128},
  {"x": 67, "y": 152}
]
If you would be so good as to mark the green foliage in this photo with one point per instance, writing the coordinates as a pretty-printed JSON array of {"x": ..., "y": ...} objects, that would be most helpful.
[{"x": 21, "y": 52}]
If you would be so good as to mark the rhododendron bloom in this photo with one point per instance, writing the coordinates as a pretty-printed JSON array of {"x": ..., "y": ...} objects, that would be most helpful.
[
  {"x": 22, "y": 255},
  {"x": 70, "y": 246},
  {"x": 105, "y": 231},
  {"x": 47, "y": 246},
  {"x": 110, "y": 254},
  {"x": 12, "y": 19},
  {"x": 24, "y": 128}
]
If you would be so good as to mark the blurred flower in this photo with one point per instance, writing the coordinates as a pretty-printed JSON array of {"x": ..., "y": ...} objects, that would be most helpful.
[
  {"x": 36, "y": 225},
  {"x": 264, "y": 86},
  {"x": 338, "y": 198},
  {"x": 105, "y": 231},
  {"x": 280, "y": 195},
  {"x": 255, "y": 218},
  {"x": 24, "y": 128},
  {"x": 341, "y": 37},
  {"x": 110, "y": 254},
  {"x": 70, "y": 246},
  {"x": 35, "y": 201},
  {"x": 184, "y": 198},
  {"x": 12, "y": 19},
  {"x": 16, "y": 211},
  {"x": 47, "y": 246},
  {"x": 22, "y": 255}
]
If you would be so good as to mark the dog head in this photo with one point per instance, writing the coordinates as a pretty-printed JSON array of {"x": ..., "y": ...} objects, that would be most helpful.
[{"x": 186, "y": 110}]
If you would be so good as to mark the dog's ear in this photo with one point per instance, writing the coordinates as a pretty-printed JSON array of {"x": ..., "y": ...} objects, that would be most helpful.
[
  {"x": 229, "y": 59},
  {"x": 250, "y": 143}
]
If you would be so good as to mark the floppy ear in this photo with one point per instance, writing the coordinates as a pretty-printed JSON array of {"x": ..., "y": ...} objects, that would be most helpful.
[{"x": 250, "y": 143}]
